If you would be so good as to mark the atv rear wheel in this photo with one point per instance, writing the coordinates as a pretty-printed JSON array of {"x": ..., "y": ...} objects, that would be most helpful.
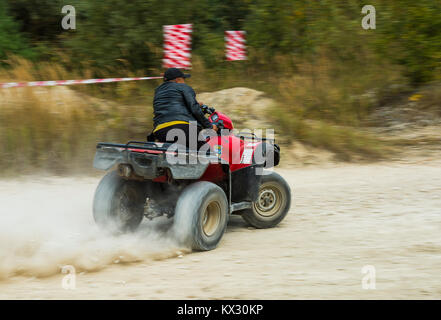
[
  {"x": 272, "y": 204},
  {"x": 118, "y": 204},
  {"x": 201, "y": 216}
]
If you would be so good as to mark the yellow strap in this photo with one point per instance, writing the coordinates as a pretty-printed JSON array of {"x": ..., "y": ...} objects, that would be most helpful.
[{"x": 168, "y": 124}]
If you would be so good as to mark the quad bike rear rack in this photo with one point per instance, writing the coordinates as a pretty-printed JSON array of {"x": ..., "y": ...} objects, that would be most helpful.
[
  {"x": 149, "y": 160},
  {"x": 154, "y": 146}
]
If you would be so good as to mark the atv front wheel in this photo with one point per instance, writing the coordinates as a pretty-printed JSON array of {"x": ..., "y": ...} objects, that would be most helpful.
[
  {"x": 118, "y": 204},
  {"x": 272, "y": 204},
  {"x": 201, "y": 216}
]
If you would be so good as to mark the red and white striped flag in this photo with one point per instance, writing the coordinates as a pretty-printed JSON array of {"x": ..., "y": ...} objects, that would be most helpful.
[
  {"x": 177, "y": 46},
  {"x": 235, "y": 45}
]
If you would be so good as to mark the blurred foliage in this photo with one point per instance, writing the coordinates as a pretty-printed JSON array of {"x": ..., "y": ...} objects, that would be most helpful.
[
  {"x": 11, "y": 39},
  {"x": 411, "y": 37},
  {"x": 115, "y": 33}
]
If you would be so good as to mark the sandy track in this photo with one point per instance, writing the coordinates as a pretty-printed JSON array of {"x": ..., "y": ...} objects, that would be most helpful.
[{"x": 343, "y": 218}]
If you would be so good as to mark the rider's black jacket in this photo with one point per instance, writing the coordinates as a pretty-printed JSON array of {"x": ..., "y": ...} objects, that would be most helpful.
[{"x": 177, "y": 101}]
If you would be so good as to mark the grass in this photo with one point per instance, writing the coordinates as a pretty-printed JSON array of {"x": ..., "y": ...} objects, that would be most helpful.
[
  {"x": 347, "y": 143},
  {"x": 428, "y": 98}
]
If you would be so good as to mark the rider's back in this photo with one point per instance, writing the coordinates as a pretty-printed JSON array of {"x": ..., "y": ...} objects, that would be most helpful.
[{"x": 169, "y": 103}]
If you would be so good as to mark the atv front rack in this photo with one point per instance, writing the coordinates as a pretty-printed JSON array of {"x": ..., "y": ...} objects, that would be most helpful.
[{"x": 252, "y": 136}]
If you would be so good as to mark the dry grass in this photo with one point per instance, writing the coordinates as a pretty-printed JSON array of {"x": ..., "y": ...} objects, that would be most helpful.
[
  {"x": 347, "y": 143},
  {"x": 429, "y": 99},
  {"x": 56, "y": 129}
]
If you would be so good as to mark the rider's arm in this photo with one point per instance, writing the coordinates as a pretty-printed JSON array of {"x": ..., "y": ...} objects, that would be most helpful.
[{"x": 193, "y": 105}]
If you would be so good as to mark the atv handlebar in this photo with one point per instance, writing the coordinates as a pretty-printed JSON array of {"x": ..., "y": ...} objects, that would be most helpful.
[
  {"x": 206, "y": 109},
  {"x": 210, "y": 110}
]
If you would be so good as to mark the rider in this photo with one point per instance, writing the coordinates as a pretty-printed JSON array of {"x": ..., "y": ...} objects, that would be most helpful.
[{"x": 174, "y": 106}]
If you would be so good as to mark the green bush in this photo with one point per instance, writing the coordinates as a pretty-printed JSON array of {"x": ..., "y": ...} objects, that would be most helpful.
[{"x": 11, "y": 40}]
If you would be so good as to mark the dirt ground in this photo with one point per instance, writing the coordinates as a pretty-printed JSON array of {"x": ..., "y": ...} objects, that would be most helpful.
[{"x": 343, "y": 217}]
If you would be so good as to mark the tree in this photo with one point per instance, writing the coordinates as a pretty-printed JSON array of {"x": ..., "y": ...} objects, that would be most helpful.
[{"x": 11, "y": 40}]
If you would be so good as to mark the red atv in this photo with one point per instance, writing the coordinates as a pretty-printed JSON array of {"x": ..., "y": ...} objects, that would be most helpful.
[{"x": 199, "y": 193}]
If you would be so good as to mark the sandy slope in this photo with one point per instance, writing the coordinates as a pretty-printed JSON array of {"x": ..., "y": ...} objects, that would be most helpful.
[{"x": 343, "y": 218}]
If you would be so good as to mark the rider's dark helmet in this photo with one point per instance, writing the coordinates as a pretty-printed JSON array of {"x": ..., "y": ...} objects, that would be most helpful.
[{"x": 173, "y": 73}]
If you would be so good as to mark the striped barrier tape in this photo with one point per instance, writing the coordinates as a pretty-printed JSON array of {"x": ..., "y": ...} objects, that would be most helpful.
[{"x": 69, "y": 82}]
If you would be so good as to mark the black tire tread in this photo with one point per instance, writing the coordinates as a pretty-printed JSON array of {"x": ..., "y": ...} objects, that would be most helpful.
[{"x": 103, "y": 200}]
